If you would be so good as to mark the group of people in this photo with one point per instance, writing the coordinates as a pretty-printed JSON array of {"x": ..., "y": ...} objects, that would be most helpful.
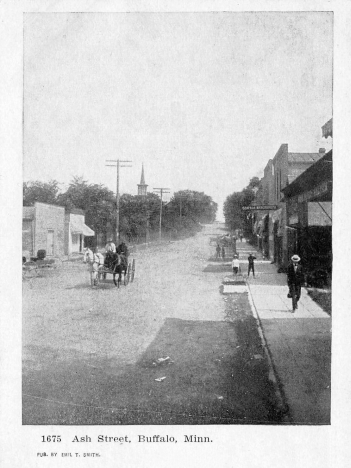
[
  {"x": 295, "y": 274},
  {"x": 220, "y": 251},
  {"x": 121, "y": 249},
  {"x": 236, "y": 264},
  {"x": 97, "y": 256}
]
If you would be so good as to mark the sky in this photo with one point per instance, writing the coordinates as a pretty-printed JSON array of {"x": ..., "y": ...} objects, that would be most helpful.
[{"x": 203, "y": 100}]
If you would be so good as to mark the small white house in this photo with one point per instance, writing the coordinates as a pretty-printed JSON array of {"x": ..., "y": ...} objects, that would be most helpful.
[{"x": 75, "y": 231}]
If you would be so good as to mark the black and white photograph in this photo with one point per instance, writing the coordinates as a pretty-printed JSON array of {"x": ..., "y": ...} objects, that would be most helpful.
[
  {"x": 175, "y": 196},
  {"x": 177, "y": 218}
]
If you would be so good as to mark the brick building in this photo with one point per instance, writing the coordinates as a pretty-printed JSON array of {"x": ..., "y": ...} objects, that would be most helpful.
[
  {"x": 48, "y": 227},
  {"x": 309, "y": 214},
  {"x": 271, "y": 226},
  {"x": 43, "y": 229}
]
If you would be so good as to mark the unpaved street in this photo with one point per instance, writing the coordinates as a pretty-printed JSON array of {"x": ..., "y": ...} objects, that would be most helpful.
[{"x": 90, "y": 355}]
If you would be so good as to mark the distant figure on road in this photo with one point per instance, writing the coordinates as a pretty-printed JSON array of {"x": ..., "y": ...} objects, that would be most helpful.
[
  {"x": 234, "y": 239},
  {"x": 235, "y": 265},
  {"x": 295, "y": 277},
  {"x": 251, "y": 259},
  {"x": 218, "y": 251},
  {"x": 223, "y": 253},
  {"x": 241, "y": 237}
]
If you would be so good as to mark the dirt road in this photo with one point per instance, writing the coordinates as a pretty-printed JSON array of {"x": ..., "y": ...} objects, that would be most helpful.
[{"x": 90, "y": 355}]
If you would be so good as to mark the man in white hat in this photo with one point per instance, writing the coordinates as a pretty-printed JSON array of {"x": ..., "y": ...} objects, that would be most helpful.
[
  {"x": 295, "y": 277},
  {"x": 110, "y": 246}
]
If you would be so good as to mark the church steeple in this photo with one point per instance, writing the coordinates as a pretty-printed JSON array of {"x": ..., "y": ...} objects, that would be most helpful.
[{"x": 142, "y": 187}]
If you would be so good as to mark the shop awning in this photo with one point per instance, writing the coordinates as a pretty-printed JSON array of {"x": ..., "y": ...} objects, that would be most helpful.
[{"x": 78, "y": 227}]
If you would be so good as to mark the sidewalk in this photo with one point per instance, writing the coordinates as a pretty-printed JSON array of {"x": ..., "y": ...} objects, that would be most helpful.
[{"x": 299, "y": 343}]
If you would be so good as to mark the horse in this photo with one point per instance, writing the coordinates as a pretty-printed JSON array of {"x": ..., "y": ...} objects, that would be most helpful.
[
  {"x": 96, "y": 261},
  {"x": 117, "y": 264},
  {"x": 88, "y": 255}
]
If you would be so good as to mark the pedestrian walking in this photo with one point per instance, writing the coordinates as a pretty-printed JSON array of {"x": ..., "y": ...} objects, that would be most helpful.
[
  {"x": 295, "y": 277},
  {"x": 235, "y": 265},
  {"x": 218, "y": 251},
  {"x": 223, "y": 253},
  {"x": 251, "y": 259}
]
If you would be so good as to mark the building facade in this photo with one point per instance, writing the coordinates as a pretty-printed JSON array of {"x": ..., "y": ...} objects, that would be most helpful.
[
  {"x": 75, "y": 231},
  {"x": 43, "y": 228},
  {"x": 272, "y": 228},
  {"x": 309, "y": 214},
  {"x": 50, "y": 228}
]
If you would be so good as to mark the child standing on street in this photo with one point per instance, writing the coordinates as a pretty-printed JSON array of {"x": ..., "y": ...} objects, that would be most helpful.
[{"x": 235, "y": 265}]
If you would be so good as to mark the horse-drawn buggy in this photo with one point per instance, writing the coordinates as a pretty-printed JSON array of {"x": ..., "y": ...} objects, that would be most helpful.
[{"x": 113, "y": 263}]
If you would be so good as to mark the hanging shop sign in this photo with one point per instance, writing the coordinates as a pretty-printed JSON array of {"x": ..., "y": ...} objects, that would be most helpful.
[{"x": 259, "y": 207}]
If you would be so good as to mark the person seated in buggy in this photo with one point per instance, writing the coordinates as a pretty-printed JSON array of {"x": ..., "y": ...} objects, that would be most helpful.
[
  {"x": 110, "y": 246},
  {"x": 122, "y": 249}
]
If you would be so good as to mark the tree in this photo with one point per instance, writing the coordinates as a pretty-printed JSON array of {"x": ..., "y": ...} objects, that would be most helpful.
[
  {"x": 96, "y": 200},
  {"x": 186, "y": 210},
  {"x": 195, "y": 205},
  {"x": 139, "y": 215},
  {"x": 232, "y": 210},
  {"x": 36, "y": 191},
  {"x": 254, "y": 182},
  {"x": 235, "y": 216}
]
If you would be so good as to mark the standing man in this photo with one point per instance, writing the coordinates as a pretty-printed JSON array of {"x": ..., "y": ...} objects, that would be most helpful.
[
  {"x": 295, "y": 277},
  {"x": 251, "y": 259}
]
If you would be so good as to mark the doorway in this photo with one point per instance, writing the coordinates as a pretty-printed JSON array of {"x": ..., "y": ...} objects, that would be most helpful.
[{"x": 50, "y": 242}]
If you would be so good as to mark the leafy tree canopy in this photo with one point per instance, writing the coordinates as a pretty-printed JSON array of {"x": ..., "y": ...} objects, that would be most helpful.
[
  {"x": 36, "y": 191},
  {"x": 96, "y": 200},
  {"x": 234, "y": 215}
]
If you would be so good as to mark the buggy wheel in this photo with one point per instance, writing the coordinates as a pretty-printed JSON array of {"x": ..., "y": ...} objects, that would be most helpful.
[
  {"x": 133, "y": 271},
  {"x": 127, "y": 275}
]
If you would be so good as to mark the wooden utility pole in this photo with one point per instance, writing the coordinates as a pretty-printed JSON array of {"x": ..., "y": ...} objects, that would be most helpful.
[
  {"x": 118, "y": 165},
  {"x": 180, "y": 197},
  {"x": 161, "y": 191}
]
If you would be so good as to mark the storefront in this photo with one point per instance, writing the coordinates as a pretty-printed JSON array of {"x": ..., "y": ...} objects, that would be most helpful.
[
  {"x": 76, "y": 231},
  {"x": 309, "y": 215},
  {"x": 277, "y": 236}
]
